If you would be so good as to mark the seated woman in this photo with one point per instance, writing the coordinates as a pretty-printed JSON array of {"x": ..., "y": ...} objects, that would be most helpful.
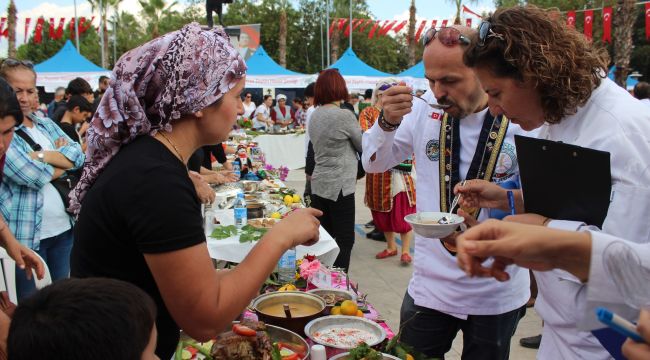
[{"x": 139, "y": 218}]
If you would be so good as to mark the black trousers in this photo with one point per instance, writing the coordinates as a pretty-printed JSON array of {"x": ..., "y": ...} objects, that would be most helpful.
[
  {"x": 338, "y": 220},
  {"x": 210, "y": 6},
  {"x": 485, "y": 337}
]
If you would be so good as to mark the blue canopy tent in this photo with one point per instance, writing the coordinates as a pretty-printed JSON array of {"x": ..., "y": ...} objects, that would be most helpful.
[
  {"x": 415, "y": 71},
  {"x": 66, "y": 65},
  {"x": 357, "y": 74},
  {"x": 629, "y": 83},
  {"x": 264, "y": 72}
]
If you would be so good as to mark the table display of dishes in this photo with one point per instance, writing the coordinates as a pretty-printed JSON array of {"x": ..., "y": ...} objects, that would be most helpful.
[{"x": 344, "y": 332}]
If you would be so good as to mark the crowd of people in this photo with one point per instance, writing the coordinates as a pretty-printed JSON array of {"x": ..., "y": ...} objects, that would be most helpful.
[{"x": 137, "y": 160}]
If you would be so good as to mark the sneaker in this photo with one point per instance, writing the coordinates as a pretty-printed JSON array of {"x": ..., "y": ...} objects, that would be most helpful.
[
  {"x": 405, "y": 259},
  {"x": 531, "y": 342},
  {"x": 386, "y": 253}
]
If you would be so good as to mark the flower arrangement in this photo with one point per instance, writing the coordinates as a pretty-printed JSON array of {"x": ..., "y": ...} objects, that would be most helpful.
[
  {"x": 245, "y": 123},
  {"x": 280, "y": 173},
  {"x": 305, "y": 268}
]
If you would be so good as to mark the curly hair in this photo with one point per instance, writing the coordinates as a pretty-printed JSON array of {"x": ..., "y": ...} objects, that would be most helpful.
[{"x": 527, "y": 44}]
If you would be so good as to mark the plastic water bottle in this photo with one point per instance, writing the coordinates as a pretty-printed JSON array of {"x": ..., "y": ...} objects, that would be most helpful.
[
  {"x": 236, "y": 169},
  {"x": 208, "y": 217},
  {"x": 287, "y": 267},
  {"x": 241, "y": 218}
]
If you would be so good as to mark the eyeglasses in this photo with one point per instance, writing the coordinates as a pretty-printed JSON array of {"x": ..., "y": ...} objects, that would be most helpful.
[
  {"x": 10, "y": 62},
  {"x": 485, "y": 31},
  {"x": 448, "y": 36}
]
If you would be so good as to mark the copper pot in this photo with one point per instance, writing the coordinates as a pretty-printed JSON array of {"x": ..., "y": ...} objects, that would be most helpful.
[{"x": 264, "y": 303}]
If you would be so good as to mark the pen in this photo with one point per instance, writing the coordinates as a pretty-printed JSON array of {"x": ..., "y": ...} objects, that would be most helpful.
[
  {"x": 511, "y": 202},
  {"x": 618, "y": 324}
]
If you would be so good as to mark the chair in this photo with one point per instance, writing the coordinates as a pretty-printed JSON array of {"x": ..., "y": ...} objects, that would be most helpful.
[{"x": 8, "y": 275}]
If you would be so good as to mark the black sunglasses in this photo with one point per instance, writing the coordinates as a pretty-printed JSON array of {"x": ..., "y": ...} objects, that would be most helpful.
[
  {"x": 448, "y": 36},
  {"x": 485, "y": 31},
  {"x": 10, "y": 62}
]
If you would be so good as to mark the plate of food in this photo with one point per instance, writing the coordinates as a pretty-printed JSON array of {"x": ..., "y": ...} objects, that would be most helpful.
[
  {"x": 434, "y": 225},
  {"x": 262, "y": 223},
  {"x": 364, "y": 352},
  {"x": 333, "y": 296},
  {"x": 246, "y": 340},
  {"x": 344, "y": 332}
]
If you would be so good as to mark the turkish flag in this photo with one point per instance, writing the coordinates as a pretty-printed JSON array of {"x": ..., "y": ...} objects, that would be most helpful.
[
  {"x": 71, "y": 25},
  {"x": 342, "y": 23},
  {"x": 27, "y": 22},
  {"x": 371, "y": 34},
  {"x": 3, "y": 32},
  {"x": 334, "y": 23},
  {"x": 387, "y": 28},
  {"x": 647, "y": 21},
  {"x": 589, "y": 22},
  {"x": 444, "y": 23},
  {"x": 356, "y": 23},
  {"x": 468, "y": 22},
  {"x": 419, "y": 32},
  {"x": 400, "y": 26},
  {"x": 434, "y": 23},
  {"x": 571, "y": 19},
  {"x": 38, "y": 32},
  {"x": 346, "y": 33},
  {"x": 85, "y": 25},
  {"x": 59, "y": 29},
  {"x": 607, "y": 24},
  {"x": 365, "y": 25}
]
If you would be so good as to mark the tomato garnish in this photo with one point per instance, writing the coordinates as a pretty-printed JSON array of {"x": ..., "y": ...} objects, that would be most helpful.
[{"x": 243, "y": 330}]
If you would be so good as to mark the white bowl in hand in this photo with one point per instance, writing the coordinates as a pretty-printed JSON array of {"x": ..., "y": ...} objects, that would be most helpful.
[{"x": 426, "y": 224}]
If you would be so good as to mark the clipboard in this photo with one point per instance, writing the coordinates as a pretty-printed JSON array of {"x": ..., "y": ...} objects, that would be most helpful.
[{"x": 563, "y": 181}]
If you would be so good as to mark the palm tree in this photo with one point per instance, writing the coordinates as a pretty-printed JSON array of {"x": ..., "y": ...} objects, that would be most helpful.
[
  {"x": 411, "y": 34},
  {"x": 282, "y": 34},
  {"x": 154, "y": 11},
  {"x": 104, "y": 6},
  {"x": 11, "y": 28},
  {"x": 459, "y": 6},
  {"x": 623, "y": 45}
]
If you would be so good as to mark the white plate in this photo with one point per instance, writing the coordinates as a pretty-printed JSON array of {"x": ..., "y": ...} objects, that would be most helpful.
[
  {"x": 426, "y": 224},
  {"x": 339, "y": 321}
]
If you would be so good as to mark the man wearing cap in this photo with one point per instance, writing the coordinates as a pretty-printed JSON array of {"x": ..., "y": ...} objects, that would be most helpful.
[
  {"x": 281, "y": 114},
  {"x": 463, "y": 141}
]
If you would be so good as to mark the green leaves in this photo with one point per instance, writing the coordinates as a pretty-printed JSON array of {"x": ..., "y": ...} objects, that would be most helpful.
[
  {"x": 221, "y": 232},
  {"x": 246, "y": 234}
]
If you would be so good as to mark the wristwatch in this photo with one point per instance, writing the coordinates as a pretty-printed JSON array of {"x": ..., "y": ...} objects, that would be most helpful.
[{"x": 41, "y": 156}]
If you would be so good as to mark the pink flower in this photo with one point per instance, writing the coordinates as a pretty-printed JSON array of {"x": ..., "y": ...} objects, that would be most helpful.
[{"x": 308, "y": 268}]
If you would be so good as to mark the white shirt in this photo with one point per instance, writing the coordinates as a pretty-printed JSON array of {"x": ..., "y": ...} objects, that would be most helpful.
[
  {"x": 310, "y": 111},
  {"x": 264, "y": 110},
  {"x": 248, "y": 109},
  {"x": 646, "y": 102},
  {"x": 437, "y": 282},
  {"x": 613, "y": 121},
  {"x": 55, "y": 220}
]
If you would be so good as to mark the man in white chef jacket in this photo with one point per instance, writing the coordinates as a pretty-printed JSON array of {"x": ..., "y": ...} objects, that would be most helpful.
[{"x": 463, "y": 142}]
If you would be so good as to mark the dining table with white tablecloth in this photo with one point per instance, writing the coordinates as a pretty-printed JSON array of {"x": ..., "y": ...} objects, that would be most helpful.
[{"x": 230, "y": 249}]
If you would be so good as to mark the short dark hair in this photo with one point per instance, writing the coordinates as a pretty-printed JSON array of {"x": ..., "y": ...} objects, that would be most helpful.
[
  {"x": 267, "y": 96},
  {"x": 81, "y": 102},
  {"x": 9, "y": 105},
  {"x": 77, "y": 319},
  {"x": 297, "y": 99},
  {"x": 642, "y": 90},
  {"x": 309, "y": 90},
  {"x": 78, "y": 86},
  {"x": 330, "y": 86},
  {"x": 102, "y": 78},
  {"x": 367, "y": 94}
]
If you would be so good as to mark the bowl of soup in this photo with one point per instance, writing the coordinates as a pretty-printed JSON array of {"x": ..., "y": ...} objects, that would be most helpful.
[
  {"x": 432, "y": 225},
  {"x": 303, "y": 308}
]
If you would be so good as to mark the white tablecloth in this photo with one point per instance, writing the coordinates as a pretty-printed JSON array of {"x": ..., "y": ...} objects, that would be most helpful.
[
  {"x": 287, "y": 150},
  {"x": 232, "y": 250}
]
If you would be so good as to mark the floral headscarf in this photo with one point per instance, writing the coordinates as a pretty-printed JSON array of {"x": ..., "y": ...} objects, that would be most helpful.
[{"x": 151, "y": 86}]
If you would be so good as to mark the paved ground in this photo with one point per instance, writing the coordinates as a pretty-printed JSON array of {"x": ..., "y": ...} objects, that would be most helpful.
[{"x": 385, "y": 281}]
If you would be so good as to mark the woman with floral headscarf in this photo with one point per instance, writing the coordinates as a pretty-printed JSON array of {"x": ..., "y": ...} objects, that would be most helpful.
[
  {"x": 139, "y": 218},
  {"x": 389, "y": 195}
]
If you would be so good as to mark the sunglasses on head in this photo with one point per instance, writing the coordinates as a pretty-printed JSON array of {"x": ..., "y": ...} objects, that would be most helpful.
[
  {"x": 485, "y": 31},
  {"x": 448, "y": 36},
  {"x": 10, "y": 62}
]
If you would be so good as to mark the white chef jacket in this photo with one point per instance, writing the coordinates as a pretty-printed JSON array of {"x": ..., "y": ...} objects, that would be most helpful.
[
  {"x": 437, "y": 282},
  {"x": 613, "y": 121}
]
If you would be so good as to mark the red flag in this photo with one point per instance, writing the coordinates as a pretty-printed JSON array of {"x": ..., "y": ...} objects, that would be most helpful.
[
  {"x": 386, "y": 29},
  {"x": 607, "y": 24},
  {"x": 589, "y": 22},
  {"x": 373, "y": 30},
  {"x": 27, "y": 22},
  {"x": 444, "y": 23},
  {"x": 419, "y": 32},
  {"x": 334, "y": 23},
  {"x": 3, "y": 32},
  {"x": 434, "y": 23},
  {"x": 71, "y": 25},
  {"x": 571, "y": 19},
  {"x": 342, "y": 23},
  {"x": 51, "y": 29},
  {"x": 400, "y": 26},
  {"x": 365, "y": 25},
  {"x": 357, "y": 23},
  {"x": 85, "y": 25},
  {"x": 467, "y": 10},
  {"x": 468, "y": 22},
  {"x": 346, "y": 33},
  {"x": 647, "y": 21},
  {"x": 38, "y": 32}
]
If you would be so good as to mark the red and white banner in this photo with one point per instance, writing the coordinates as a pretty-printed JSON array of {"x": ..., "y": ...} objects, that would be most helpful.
[
  {"x": 434, "y": 23},
  {"x": 399, "y": 27},
  {"x": 28, "y": 21},
  {"x": 468, "y": 22},
  {"x": 607, "y": 24},
  {"x": 444, "y": 23},
  {"x": 387, "y": 28},
  {"x": 371, "y": 34},
  {"x": 419, "y": 32},
  {"x": 365, "y": 25},
  {"x": 571, "y": 19},
  {"x": 589, "y": 23},
  {"x": 38, "y": 32},
  {"x": 647, "y": 21}
]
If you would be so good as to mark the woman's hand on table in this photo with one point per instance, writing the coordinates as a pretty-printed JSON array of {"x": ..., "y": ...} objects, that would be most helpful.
[
  {"x": 633, "y": 350},
  {"x": 300, "y": 227},
  {"x": 229, "y": 176},
  {"x": 203, "y": 190}
]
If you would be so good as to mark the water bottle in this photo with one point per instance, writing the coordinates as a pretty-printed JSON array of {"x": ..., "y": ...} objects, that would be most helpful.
[
  {"x": 236, "y": 169},
  {"x": 208, "y": 218},
  {"x": 287, "y": 267},
  {"x": 241, "y": 218}
]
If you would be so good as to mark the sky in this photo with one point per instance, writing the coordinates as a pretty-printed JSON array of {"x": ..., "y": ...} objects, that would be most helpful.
[{"x": 381, "y": 9}]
